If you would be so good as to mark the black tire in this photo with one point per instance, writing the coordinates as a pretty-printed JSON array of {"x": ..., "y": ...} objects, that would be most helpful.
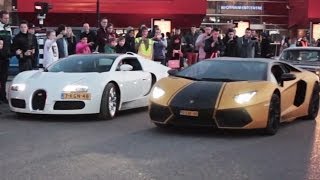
[
  {"x": 273, "y": 116},
  {"x": 162, "y": 126},
  {"x": 22, "y": 115},
  {"x": 109, "y": 109},
  {"x": 314, "y": 104}
]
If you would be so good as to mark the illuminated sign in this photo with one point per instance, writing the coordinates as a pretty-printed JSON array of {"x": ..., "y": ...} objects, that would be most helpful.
[{"x": 253, "y": 8}]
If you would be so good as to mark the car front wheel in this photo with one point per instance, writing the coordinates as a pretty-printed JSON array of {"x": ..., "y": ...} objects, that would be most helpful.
[
  {"x": 109, "y": 102},
  {"x": 273, "y": 116},
  {"x": 314, "y": 104}
]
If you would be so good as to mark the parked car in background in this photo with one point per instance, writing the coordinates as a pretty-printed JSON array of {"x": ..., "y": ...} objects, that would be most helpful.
[{"x": 304, "y": 57}]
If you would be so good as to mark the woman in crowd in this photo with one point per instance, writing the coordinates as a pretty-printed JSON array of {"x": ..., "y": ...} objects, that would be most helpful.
[
  {"x": 175, "y": 50},
  {"x": 72, "y": 41}
]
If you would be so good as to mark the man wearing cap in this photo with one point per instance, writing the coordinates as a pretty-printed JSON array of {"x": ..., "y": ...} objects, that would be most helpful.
[{"x": 32, "y": 30}]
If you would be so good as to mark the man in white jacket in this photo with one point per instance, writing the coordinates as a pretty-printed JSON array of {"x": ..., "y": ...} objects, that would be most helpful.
[
  {"x": 200, "y": 43},
  {"x": 50, "y": 51}
]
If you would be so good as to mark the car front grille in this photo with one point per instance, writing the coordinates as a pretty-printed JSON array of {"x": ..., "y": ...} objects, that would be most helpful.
[
  {"x": 69, "y": 105},
  {"x": 18, "y": 103},
  {"x": 39, "y": 100},
  {"x": 159, "y": 113}
]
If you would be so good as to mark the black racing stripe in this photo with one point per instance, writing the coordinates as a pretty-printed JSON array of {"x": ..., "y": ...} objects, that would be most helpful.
[{"x": 198, "y": 95}]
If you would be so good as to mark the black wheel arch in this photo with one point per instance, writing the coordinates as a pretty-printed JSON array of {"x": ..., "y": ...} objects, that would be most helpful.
[{"x": 154, "y": 79}]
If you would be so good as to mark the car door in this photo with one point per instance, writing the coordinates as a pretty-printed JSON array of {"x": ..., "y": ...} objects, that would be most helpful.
[
  {"x": 134, "y": 82},
  {"x": 288, "y": 91}
]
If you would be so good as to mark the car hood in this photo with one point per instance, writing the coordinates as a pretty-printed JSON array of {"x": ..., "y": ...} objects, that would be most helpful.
[
  {"x": 54, "y": 81},
  {"x": 179, "y": 91},
  {"x": 305, "y": 63}
]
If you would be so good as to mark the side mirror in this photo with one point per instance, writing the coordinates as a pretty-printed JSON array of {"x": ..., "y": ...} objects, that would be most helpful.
[
  {"x": 172, "y": 72},
  {"x": 288, "y": 77},
  {"x": 126, "y": 67}
]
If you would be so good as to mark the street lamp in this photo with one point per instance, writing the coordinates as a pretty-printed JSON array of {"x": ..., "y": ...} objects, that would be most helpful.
[
  {"x": 41, "y": 8},
  {"x": 98, "y": 13}
]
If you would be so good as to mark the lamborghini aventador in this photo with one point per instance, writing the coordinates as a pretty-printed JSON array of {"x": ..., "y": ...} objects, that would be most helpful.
[{"x": 235, "y": 93}]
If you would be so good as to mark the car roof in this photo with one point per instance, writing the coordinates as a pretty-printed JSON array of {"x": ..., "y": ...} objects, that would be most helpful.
[
  {"x": 264, "y": 60},
  {"x": 114, "y": 56},
  {"x": 302, "y": 48},
  {"x": 95, "y": 55}
]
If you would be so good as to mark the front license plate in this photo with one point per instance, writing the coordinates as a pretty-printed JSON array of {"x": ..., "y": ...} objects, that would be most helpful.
[
  {"x": 189, "y": 113},
  {"x": 80, "y": 96}
]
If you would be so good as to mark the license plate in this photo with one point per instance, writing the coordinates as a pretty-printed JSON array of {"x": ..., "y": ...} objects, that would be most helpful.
[
  {"x": 189, "y": 113},
  {"x": 80, "y": 96}
]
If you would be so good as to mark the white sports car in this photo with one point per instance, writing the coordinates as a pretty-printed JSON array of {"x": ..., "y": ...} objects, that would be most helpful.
[{"x": 86, "y": 84}]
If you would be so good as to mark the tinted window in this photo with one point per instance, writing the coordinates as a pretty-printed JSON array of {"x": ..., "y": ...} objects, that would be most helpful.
[
  {"x": 230, "y": 70},
  {"x": 82, "y": 64},
  {"x": 300, "y": 55}
]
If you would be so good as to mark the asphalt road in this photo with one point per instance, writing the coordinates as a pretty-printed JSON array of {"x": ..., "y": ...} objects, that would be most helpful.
[{"x": 131, "y": 148}]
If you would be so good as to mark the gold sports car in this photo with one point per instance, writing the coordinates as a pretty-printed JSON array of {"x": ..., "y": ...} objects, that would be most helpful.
[{"x": 235, "y": 93}]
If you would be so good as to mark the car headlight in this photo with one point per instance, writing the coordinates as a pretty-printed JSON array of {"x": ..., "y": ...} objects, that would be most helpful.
[
  {"x": 18, "y": 87},
  {"x": 157, "y": 92},
  {"x": 75, "y": 88},
  {"x": 245, "y": 97}
]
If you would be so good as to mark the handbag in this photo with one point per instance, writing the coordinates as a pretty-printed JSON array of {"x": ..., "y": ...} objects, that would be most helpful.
[
  {"x": 214, "y": 55},
  {"x": 174, "y": 64}
]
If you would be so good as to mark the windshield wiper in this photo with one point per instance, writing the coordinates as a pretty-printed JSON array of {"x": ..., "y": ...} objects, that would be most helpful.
[
  {"x": 294, "y": 61},
  {"x": 220, "y": 79}
]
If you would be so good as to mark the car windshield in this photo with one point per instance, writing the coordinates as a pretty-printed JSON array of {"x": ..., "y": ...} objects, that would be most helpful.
[
  {"x": 226, "y": 70},
  {"x": 301, "y": 55},
  {"x": 83, "y": 64}
]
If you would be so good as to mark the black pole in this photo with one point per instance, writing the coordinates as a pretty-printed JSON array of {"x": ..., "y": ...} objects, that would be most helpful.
[{"x": 98, "y": 13}]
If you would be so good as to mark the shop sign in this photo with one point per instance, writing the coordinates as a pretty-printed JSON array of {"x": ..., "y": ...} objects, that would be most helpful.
[{"x": 232, "y": 7}]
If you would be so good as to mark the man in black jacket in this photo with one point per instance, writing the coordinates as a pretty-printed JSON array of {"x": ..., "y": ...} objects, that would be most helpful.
[
  {"x": 230, "y": 42},
  {"x": 192, "y": 52},
  {"x": 214, "y": 46},
  {"x": 102, "y": 35},
  {"x": 91, "y": 36},
  {"x": 6, "y": 36},
  {"x": 130, "y": 41},
  {"x": 62, "y": 42},
  {"x": 31, "y": 30},
  {"x": 24, "y": 47}
]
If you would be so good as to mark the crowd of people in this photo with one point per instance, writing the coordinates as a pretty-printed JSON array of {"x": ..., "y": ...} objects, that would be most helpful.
[{"x": 196, "y": 45}]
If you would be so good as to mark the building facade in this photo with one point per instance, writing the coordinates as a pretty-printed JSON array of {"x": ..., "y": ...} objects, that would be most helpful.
[
  {"x": 264, "y": 15},
  {"x": 304, "y": 18},
  {"x": 122, "y": 13}
]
